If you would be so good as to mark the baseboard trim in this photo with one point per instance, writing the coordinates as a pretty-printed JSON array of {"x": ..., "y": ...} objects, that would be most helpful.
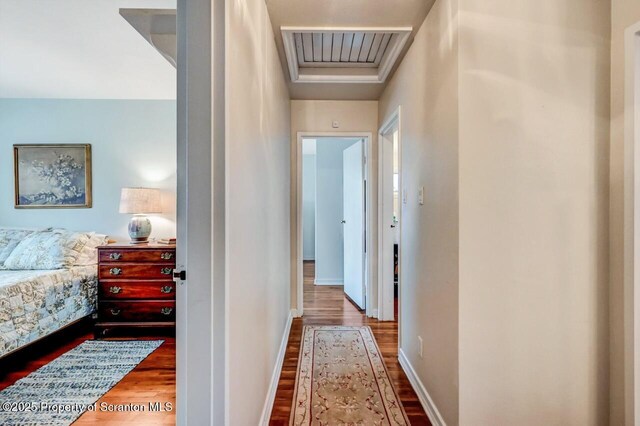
[
  {"x": 275, "y": 377},
  {"x": 328, "y": 281},
  {"x": 426, "y": 401}
]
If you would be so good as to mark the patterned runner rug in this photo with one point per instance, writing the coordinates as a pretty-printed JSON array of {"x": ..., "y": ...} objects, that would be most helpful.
[
  {"x": 59, "y": 392},
  {"x": 342, "y": 380}
]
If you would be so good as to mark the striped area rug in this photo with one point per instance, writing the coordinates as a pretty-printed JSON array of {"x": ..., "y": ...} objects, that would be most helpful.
[
  {"x": 342, "y": 380},
  {"x": 59, "y": 392}
]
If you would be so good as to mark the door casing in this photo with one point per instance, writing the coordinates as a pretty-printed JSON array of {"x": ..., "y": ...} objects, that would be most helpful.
[
  {"x": 385, "y": 288},
  {"x": 631, "y": 226}
]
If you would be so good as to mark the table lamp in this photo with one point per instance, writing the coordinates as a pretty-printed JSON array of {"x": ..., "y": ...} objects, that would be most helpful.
[{"x": 140, "y": 202}]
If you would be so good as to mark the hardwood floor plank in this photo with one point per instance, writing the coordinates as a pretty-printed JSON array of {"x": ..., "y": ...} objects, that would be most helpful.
[{"x": 327, "y": 305}]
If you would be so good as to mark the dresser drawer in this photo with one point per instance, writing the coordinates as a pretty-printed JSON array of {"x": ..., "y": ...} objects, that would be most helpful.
[
  {"x": 127, "y": 255},
  {"x": 162, "y": 271},
  {"x": 137, "y": 311},
  {"x": 121, "y": 289}
]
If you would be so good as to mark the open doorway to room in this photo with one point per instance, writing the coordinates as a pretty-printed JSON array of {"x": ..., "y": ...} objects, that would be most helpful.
[
  {"x": 334, "y": 221},
  {"x": 98, "y": 175},
  {"x": 389, "y": 213}
]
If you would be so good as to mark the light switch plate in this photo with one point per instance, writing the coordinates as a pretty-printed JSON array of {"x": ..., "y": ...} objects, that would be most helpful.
[
  {"x": 335, "y": 124},
  {"x": 421, "y": 195}
]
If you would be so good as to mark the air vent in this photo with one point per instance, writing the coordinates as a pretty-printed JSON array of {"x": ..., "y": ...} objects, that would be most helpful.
[{"x": 342, "y": 55}]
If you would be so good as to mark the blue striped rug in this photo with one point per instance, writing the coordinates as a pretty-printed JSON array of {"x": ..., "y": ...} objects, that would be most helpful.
[{"x": 59, "y": 392}]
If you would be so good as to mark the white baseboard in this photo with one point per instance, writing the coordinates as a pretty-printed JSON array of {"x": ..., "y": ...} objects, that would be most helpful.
[
  {"x": 426, "y": 401},
  {"x": 275, "y": 377},
  {"x": 328, "y": 281},
  {"x": 374, "y": 313}
]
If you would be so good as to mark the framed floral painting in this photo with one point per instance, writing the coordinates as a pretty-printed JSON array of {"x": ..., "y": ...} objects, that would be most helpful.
[{"x": 52, "y": 176}]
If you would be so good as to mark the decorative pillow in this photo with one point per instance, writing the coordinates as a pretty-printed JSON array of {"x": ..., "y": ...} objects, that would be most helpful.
[
  {"x": 9, "y": 239},
  {"x": 54, "y": 249},
  {"x": 89, "y": 254}
]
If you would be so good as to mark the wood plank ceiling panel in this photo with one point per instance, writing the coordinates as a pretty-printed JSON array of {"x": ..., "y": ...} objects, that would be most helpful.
[
  {"x": 367, "y": 42},
  {"x": 347, "y": 43},
  {"x": 307, "y": 43},
  {"x": 337, "y": 47},
  {"x": 317, "y": 47}
]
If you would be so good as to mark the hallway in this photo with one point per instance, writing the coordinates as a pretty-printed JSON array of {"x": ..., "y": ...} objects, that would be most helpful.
[{"x": 327, "y": 305}]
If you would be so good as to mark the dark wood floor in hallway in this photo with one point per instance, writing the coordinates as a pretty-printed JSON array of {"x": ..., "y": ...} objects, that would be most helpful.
[{"x": 327, "y": 305}]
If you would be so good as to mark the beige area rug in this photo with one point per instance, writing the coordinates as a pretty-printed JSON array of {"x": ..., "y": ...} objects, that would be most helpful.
[{"x": 342, "y": 380}]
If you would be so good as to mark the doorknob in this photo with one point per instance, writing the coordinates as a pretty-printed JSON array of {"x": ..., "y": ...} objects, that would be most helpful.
[
  {"x": 344, "y": 221},
  {"x": 393, "y": 226}
]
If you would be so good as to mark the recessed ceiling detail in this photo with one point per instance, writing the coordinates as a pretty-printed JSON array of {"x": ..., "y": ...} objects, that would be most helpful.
[{"x": 342, "y": 55}]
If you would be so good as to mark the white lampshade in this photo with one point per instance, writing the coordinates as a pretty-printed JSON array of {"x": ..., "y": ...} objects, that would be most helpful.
[{"x": 140, "y": 200}]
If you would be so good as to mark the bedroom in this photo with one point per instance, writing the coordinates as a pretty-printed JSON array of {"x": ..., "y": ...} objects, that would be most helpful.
[{"x": 87, "y": 117}]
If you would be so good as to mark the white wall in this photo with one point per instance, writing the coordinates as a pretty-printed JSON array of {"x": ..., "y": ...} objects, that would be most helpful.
[
  {"x": 534, "y": 132},
  {"x": 505, "y": 267},
  {"x": 257, "y": 208},
  {"x": 329, "y": 210},
  {"x": 624, "y": 13},
  {"x": 309, "y": 206},
  {"x": 426, "y": 87},
  {"x": 317, "y": 116},
  {"x": 133, "y": 143}
]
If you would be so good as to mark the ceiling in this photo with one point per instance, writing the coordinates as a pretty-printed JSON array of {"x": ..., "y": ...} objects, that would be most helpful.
[
  {"x": 343, "y": 14},
  {"x": 79, "y": 49}
]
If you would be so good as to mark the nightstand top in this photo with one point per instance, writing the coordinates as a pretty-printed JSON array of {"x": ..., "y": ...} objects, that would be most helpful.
[{"x": 126, "y": 245}]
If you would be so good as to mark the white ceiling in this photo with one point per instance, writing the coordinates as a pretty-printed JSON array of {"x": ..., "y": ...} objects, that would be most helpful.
[
  {"x": 79, "y": 49},
  {"x": 343, "y": 13}
]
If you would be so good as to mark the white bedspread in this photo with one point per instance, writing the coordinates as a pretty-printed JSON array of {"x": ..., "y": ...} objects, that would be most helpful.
[{"x": 34, "y": 304}]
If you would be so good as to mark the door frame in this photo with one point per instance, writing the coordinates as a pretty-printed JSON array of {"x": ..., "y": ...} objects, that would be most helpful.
[
  {"x": 385, "y": 290},
  {"x": 368, "y": 137},
  {"x": 631, "y": 228},
  {"x": 201, "y": 327}
]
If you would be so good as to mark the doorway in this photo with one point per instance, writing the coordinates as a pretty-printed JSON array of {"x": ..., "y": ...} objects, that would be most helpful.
[
  {"x": 333, "y": 216},
  {"x": 389, "y": 214}
]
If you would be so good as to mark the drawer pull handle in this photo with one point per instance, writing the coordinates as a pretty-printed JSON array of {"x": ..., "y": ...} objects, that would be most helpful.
[
  {"x": 115, "y": 290},
  {"x": 115, "y": 256},
  {"x": 166, "y": 256},
  {"x": 166, "y": 311},
  {"x": 166, "y": 289},
  {"x": 166, "y": 271},
  {"x": 115, "y": 312},
  {"x": 115, "y": 271}
]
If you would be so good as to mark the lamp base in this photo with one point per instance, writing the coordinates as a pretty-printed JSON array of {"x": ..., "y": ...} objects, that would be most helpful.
[{"x": 139, "y": 229}]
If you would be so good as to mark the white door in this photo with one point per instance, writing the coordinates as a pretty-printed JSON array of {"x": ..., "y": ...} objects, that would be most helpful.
[{"x": 354, "y": 222}]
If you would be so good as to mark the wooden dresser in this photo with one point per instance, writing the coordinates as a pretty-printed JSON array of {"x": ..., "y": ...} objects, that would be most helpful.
[{"x": 135, "y": 287}]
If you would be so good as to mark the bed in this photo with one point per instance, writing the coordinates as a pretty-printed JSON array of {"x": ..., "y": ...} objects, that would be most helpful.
[
  {"x": 48, "y": 280},
  {"x": 34, "y": 304}
]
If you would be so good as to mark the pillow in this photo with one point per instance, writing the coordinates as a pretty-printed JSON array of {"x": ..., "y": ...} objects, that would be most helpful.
[
  {"x": 52, "y": 249},
  {"x": 9, "y": 239},
  {"x": 89, "y": 254}
]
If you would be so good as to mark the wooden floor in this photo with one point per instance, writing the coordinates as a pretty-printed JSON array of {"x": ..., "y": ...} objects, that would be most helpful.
[
  {"x": 153, "y": 380},
  {"x": 327, "y": 305}
]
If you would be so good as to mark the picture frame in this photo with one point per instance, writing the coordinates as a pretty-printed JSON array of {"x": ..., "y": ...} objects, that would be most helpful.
[{"x": 49, "y": 176}]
